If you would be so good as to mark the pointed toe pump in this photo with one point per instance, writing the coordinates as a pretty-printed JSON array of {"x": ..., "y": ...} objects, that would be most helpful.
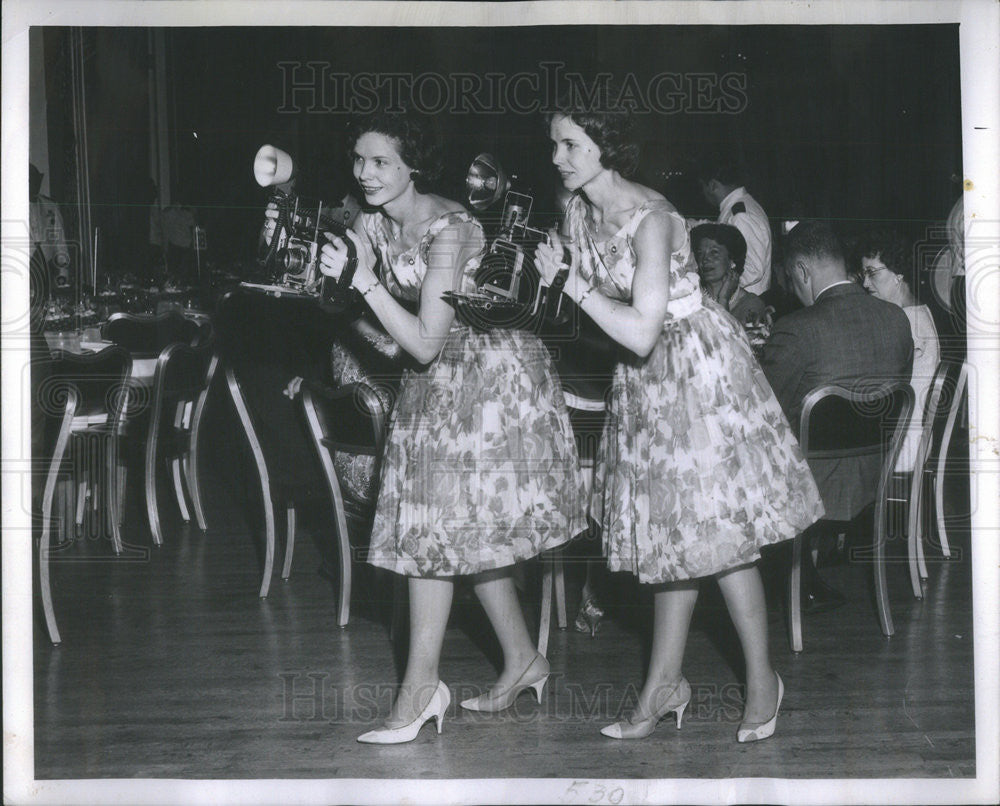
[
  {"x": 639, "y": 725},
  {"x": 763, "y": 731},
  {"x": 435, "y": 709},
  {"x": 534, "y": 677}
]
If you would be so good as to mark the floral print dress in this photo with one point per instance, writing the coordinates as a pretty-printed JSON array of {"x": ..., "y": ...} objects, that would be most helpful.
[
  {"x": 698, "y": 467},
  {"x": 480, "y": 469}
]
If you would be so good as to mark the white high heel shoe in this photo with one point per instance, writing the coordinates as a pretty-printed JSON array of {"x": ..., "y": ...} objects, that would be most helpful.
[
  {"x": 534, "y": 676},
  {"x": 435, "y": 709},
  {"x": 639, "y": 726},
  {"x": 766, "y": 729}
]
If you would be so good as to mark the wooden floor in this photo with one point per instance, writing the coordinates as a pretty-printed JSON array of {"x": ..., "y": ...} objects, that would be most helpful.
[{"x": 173, "y": 667}]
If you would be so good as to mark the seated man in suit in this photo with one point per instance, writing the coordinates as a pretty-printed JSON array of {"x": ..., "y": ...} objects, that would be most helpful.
[{"x": 842, "y": 336}]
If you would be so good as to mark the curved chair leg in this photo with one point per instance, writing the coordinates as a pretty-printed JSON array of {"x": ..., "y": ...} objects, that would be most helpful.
[
  {"x": 795, "y": 597},
  {"x": 265, "y": 482},
  {"x": 939, "y": 506},
  {"x": 44, "y": 544},
  {"x": 881, "y": 587},
  {"x": 191, "y": 462},
  {"x": 121, "y": 478},
  {"x": 150, "y": 486},
  {"x": 921, "y": 563},
  {"x": 340, "y": 519},
  {"x": 81, "y": 502},
  {"x": 286, "y": 570},
  {"x": 190, "y": 466},
  {"x": 545, "y": 616},
  {"x": 559, "y": 583},
  {"x": 913, "y": 536},
  {"x": 956, "y": 405},
  {"x": 175, "y": 469},
  {"x": 112, "y": 501}
]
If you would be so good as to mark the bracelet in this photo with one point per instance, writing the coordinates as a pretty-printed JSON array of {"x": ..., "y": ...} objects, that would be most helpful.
[
  {"x": 583, "y": 296},
  {"x": 370, "y": 288}
]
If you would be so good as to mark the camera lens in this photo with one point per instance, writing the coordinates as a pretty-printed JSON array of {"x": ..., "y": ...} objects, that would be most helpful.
[{"x": 294, "y": 259}]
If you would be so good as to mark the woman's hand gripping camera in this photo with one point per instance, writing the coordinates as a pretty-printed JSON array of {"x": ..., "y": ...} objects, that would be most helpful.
[
  {"x": 333, "y": 258},
  {"x": 550, "y": 260}
]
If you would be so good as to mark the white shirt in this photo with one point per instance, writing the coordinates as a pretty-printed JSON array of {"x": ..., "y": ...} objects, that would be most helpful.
[{"x": 751, "y": 220}]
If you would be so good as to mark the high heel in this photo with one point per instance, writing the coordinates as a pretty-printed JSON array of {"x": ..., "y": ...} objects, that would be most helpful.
[
  {"x": 589, "y": 616},
  {"x": 435, "y": 709},
  {"x": 639, "y": 726},
  {"x": 534, "y": 676},
  {"x": 765, "y": 730}
]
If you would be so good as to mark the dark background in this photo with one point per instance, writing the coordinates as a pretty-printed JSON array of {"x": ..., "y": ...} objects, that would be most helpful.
[{"x": 853, "y": 123}]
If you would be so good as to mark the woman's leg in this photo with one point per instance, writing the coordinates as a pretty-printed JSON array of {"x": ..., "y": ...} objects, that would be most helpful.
[
  {"x": 672, "y": 610},
  {"x": 498, "y": 596},
  {"x": 744, "y": 592},
  {"x": 430, "y": 603}
]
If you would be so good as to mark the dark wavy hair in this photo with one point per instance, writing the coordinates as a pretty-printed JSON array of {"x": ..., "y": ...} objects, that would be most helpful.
[
  {"x": 889, "y": 246},
  {"x": 608, "y": 122},
  {"x": 418, "y": 138},
  {"x": 725, "y": 234}
]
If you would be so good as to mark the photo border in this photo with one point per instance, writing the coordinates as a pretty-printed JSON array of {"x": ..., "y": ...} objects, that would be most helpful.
[{"x": 979, "y": 35}]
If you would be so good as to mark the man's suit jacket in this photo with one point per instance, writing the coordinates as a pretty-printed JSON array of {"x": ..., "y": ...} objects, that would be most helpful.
[{"x": 848, "y": 338}]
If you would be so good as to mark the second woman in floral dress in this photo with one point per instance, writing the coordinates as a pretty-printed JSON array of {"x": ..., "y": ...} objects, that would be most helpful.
[{"x": 698, "y": 467}]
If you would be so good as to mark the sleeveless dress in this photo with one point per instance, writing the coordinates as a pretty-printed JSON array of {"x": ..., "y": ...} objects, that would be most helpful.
[
  {"x": 480, "y": 469},
  {"x": 698, "y": 467}
]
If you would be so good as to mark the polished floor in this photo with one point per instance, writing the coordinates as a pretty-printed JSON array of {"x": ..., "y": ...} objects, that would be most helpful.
[{"x": 172, "y": 667}]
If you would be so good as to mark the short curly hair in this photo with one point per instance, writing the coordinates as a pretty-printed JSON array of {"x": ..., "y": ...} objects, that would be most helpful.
[
  {"x": 609, "y": 123},
  {"x": 889, "y": 246},
  {"x": 418, "y": 139},
  {"x": 725, "y": 234}
]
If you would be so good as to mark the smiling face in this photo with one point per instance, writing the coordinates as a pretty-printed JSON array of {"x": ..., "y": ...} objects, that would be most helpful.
[
  {"x": 575, "y": 155},
  {"x": 713, "y": 260},
  {"x": 380, "y": 170},
  {"x": 879, "y": 280}
]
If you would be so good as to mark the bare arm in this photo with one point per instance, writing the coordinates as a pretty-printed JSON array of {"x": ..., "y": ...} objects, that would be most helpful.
[
  {"x": 423, "y": 334},
  {"x": 635, "y": 325}
]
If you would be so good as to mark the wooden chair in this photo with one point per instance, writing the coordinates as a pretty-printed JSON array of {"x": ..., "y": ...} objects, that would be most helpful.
[
  {"x": 837, "y": 423},
  {"x": 264, "y": 342},
  {"x": 180, "y": 389},
  {"x": 345, "y": 422},
  {"x": 87, "y": 395},
  {"x": 941, "y": 409},
  {"x": 588, "y": 425},
  {"x": 145, "y": 335}
]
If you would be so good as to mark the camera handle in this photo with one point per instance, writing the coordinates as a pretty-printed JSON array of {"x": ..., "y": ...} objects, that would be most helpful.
[
  {"x": 335, "y": 296},
  {"x": 281, "y": 223},
  {"x": 554, "y": 298}
]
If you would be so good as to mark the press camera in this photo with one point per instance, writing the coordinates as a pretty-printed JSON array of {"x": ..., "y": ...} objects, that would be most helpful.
[
  {"x": 290, "y": 257},
  {"x": 509, "y": 291}
]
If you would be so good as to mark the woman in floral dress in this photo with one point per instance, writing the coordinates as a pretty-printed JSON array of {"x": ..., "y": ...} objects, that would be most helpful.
[
  {"x": 698, "y": 466},
  {"x": 480, "y": 469}
]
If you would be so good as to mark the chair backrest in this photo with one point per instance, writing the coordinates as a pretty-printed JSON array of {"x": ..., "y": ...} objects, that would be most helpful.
[
  {"x": 99, "y": 380},
  {"x": 264, "y": 342},
  {"x": 182, "y": 371},
  {"x": 147, "y": 335},
  {"x": 946, "y": 391},
  {"x": 351, "y": 418},
  {"x": 838, "y": 422}
]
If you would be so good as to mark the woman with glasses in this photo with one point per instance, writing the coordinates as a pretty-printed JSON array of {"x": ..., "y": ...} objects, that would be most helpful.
[{"x": 885, "y": 262}]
